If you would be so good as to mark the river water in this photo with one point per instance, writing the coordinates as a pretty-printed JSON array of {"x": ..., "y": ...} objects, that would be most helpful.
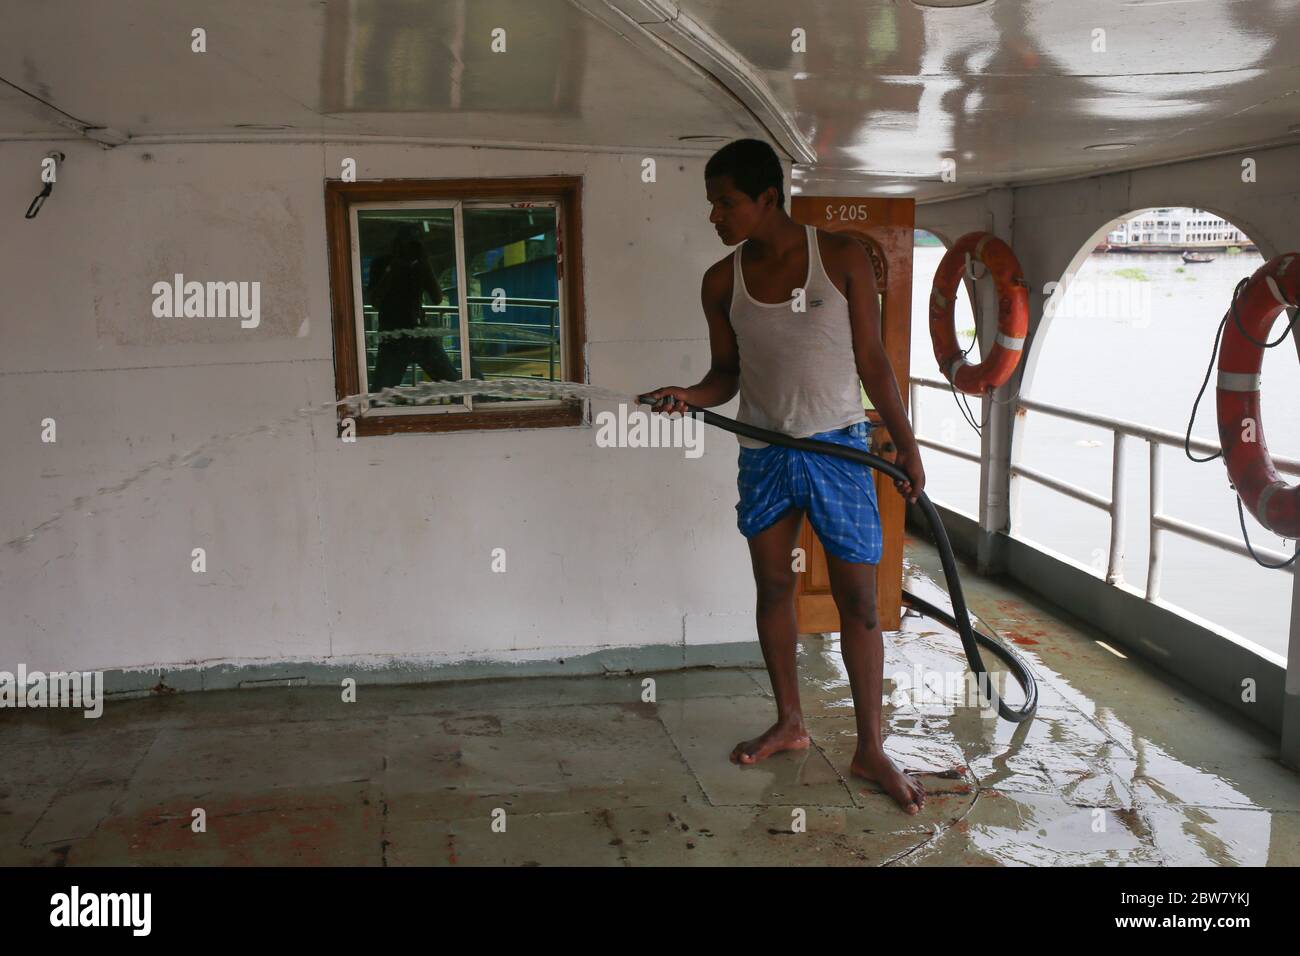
[{"x": 1138, "y": 351}]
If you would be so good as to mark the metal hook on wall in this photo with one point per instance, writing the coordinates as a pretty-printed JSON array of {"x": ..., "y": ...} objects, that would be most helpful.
[{"x": 44, "y": 194}]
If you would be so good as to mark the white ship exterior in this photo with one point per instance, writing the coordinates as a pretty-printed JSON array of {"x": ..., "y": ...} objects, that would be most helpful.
[{"x": 1171, "y": 229}]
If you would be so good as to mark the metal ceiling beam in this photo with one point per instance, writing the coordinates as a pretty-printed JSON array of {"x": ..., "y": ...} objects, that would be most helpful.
[{"x": 659, "y": 26}]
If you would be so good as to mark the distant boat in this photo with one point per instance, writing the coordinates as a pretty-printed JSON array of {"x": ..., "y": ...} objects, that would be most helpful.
[{"x": 1196, "y": 257}]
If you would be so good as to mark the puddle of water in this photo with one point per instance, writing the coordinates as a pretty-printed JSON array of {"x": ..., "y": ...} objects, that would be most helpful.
[{"x": 425, "y": 393}]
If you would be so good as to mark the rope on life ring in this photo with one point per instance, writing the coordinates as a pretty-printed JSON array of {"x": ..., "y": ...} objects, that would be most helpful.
[
  {"x": 1013, "y": 313},
  {"x": 1274, "y": 286}
]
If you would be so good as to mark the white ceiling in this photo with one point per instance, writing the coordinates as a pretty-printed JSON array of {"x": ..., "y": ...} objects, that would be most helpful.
[{"x": 1011, "y": 90}]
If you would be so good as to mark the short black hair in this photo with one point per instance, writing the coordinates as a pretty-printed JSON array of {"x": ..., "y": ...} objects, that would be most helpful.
[{"x": 752, "y": 165}]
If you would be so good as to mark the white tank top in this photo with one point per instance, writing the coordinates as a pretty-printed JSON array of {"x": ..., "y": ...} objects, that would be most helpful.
[{"x": 798, "y": 374}]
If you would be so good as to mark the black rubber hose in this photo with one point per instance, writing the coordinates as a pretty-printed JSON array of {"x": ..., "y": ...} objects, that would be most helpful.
[{"x": 960, "y": 618}]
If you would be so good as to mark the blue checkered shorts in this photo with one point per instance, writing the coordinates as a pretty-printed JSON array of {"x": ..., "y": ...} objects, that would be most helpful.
[{"x": 839, "y": 496}]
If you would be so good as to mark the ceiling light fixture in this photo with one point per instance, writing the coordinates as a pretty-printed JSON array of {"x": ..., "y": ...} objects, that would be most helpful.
[{"x": 1103, "y": 147}]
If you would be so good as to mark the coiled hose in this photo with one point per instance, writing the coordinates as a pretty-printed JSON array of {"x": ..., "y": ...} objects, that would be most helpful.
[{"x": 959, "y": 620}]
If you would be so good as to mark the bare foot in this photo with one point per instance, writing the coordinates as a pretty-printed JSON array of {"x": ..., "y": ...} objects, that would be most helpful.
[
  {"x": 780, "y": 736},
  {"x": 878, "y": 768}
]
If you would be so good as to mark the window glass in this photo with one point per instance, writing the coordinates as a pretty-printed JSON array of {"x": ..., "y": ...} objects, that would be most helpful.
[
  {"x": 514, "y": 320},
  {"x": 412, "y": 296},
  {"x": 408, "y": 278}
]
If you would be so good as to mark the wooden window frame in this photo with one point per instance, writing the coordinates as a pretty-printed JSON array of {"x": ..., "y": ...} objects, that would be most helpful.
[{"x": 340, "y": 197}]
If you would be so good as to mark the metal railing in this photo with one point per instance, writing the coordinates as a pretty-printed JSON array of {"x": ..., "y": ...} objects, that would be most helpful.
[
  {"x": 436, "y": 314},
  {"x": 1114, "y": 505}
]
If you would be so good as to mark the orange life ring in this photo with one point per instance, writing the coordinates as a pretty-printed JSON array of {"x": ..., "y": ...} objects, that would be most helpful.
[
  {"x": 1013, "y": 313},
  {"x": 1275, "y": 504}
]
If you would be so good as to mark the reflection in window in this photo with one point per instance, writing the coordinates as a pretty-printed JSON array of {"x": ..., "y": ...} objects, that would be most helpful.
[
  {"x": 408, "y": 266},
  {"x": 415, "y": 329},
  {"x": 513, "y": 292}
]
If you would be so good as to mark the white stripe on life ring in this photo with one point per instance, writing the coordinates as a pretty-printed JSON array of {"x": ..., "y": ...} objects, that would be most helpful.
[
  {"x": 979, "y": 246},
  {"x": 938, "y": 297},
  {"x": 1238, "y": 382},
  {"x": 955, "y": 367},
  {"x": 1285, "y": 262},
  {"x": 1277, "y": 293},
  {"x": 1010, "y": 344},
  {"x": 1268, "y": 492}
]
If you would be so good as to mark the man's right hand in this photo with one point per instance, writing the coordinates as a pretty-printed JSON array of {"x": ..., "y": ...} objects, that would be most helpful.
[{"x": 669, "y": 399}]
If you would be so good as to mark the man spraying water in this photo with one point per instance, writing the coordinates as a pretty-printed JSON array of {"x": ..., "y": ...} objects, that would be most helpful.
[{"x": 794, "y": 326}]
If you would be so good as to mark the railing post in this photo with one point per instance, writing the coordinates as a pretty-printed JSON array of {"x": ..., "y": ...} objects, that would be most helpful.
[
  {"x": 1115, "y": 564},
  {"x": 1013, "y": 480},
  {"x": 1291, "y": 699},
  {"x": 550, "y": 346},
  {"x": 995, "y": 462},
  {"x": 1156, "y": 498},
  {"x": 913, "y": 393}
]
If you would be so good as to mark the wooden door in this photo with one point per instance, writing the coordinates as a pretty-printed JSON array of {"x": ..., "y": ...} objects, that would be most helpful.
[{"x": 885, "y": 227}]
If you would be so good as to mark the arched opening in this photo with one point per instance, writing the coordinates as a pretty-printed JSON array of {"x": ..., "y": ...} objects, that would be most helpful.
[
  {"x": 1128, "y": 334},
  {"x": 942, "y": 416}
]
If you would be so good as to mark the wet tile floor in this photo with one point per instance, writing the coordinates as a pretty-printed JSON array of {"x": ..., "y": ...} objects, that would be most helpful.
[{"x": 1121, "y": 766}]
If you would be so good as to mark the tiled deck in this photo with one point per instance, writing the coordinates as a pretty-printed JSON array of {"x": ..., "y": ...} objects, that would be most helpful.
[{"x": 1119, "y": 767}]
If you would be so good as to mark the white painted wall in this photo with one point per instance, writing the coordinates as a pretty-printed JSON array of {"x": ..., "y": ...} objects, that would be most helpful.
[{"x": 319, "y": 549}]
